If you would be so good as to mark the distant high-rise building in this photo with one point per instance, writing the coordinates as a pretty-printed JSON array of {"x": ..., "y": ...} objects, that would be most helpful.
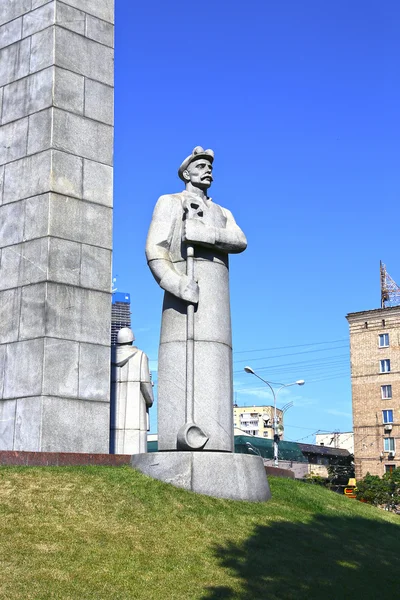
[{"x": 120, "y": 314}]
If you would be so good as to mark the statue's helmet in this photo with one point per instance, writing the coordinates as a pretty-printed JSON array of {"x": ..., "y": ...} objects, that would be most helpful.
[
  {"x": 197, "y": 153},
  {"x": 125, "y": 336}
]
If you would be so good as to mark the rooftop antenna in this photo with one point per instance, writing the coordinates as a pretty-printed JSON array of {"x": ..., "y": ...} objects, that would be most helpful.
[{"x": 390, "y": 291}]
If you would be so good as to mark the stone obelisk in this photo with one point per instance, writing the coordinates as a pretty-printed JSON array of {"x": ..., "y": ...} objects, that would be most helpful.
[{"x": 56, "y": 157}]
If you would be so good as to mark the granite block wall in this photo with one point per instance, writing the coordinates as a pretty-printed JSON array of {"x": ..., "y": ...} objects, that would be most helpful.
[{"x": 56, "y": 169}]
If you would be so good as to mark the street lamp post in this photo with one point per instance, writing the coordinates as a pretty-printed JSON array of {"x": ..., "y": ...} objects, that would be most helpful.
[{"x": 275, "y": 395}]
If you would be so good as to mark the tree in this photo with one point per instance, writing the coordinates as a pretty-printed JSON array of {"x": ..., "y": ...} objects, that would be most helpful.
[
  {"x": 342, "y": 470},
  {"x": 393, "y": 480},
  {"x": 379, "y": 491},
  {"x": 373, "y": 490}
]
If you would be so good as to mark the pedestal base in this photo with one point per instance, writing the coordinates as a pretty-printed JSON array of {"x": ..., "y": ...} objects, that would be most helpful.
[{"x": 218, "y": 474}]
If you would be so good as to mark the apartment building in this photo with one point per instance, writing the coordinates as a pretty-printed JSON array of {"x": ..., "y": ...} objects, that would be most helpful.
[
  {"x": 257, "y": 420},
  {"x": 375, "y": 380}
]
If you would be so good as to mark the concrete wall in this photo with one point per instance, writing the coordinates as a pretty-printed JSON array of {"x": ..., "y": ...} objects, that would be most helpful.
[
  {"x": 56, "y": 157},
  {"x": 299, "y": 469}
]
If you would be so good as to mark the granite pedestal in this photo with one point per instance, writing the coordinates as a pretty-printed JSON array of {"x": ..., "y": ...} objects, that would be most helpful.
[{"x": 218, "y": 474}]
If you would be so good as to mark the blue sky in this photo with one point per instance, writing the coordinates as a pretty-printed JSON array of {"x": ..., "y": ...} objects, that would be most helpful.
[{"x": 300, "y": 102}]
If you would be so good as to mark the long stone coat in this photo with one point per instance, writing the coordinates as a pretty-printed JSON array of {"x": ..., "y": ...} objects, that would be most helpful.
[
  {"x": 166, "y": 255},
  {"x": 131, "y": 397}
]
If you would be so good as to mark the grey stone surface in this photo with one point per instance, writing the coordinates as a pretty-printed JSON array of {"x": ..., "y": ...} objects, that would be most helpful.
[
  {"x": 10, "y": 215},
  {"x": 55, "y": 244},
  {"x": 23, "y": 264},
  {"x": 7, "y": 421},
  {"x": 218, "y": 474},
  {"x": 102, "y": 10},
  {"x": 96, "y": 327},
  {"x": 70, "y": 17},
  {"x": 10, "y": 302},
  {"x": 95, "y": 268},
  {"x": 39, "y": 19},
  {"x": 77, "y": 314},
  {"x": 11, "y": 9},
  {"x": 37, "y": 3},
  {"x": 66, "y": 174},
  {"x": 69, "y": 90},
  {"x": 64, "y": 261},
  {"x": 131, "y": 396},
  {"x": 83, "y": 137},
  {"x": 80, "y": 221},
  {"x": 171, "y": 467},
  {"x": 24, "y": 368},
  {"x": 211, "y": 232},
  {"x": 37, "y": 174},
  {"x": 26, "y": 177},
  {"x": 10, "y": 32},
  {"x": 28, "y": 424},
  {"x": 3, "y": 348},
  {"x": 40, "y": 131},
  {"x": 61, "y": 367},
  {"x": 13, "y": 139},
  {"x": 99, "y": 101},
  {"x": 100, "y": 31},
  {"x": 1, "y": 184},
  {"x": 28, "y": 95},
  {"x": 70, "y": 424},
  {"x": 32, "y": 319},
  {"x": 36, "y": 221},
  {"x": 41, "y": 50},
  {"x": 97, "y": 183},
  {"x": 84, "y": 56},
  {"x": 94, "y": 372},
  {"x": 79, "y": 264},
  {"x": 14, "y": 61}
]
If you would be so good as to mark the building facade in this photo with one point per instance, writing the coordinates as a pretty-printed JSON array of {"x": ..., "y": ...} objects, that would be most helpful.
[
  {"x": 120, "y": 314},
  {"x": 257, "y": 420},
  {"x": 375, "y": 380}
]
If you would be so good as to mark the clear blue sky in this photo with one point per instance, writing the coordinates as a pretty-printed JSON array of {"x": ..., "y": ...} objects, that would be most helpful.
[{"x": 300, "y": 102}]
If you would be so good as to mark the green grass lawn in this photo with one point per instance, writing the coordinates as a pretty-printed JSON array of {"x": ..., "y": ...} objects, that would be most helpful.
[{"x": 111, "y": 533}]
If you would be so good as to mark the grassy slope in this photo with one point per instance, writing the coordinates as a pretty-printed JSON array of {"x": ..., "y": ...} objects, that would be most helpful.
[{"x": 111, "y": 533}]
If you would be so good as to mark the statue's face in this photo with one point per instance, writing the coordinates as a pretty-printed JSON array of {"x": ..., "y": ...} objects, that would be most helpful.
[{"x": 199, "y": 173}]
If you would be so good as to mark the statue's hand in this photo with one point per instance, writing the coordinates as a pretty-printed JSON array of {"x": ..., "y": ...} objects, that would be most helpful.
[
  {"x": 197, "y": 232},
  {"x": 189, "y": 290}
]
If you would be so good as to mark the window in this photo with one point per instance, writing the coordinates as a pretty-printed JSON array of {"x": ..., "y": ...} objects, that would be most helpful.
[
  {"x": 383, "y": 322},
  {"x": 388, "y": 444},
  {"x": 383, "y": 340},
  {"x": 387, "y": 416},
  {"x": 389, "y": 468},
  {"x": 386, "y": 391},
  {"x": 384, "y": 365}
]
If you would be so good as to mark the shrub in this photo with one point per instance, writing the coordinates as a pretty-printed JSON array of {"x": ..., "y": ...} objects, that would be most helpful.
[{"x": 379, "y": 491}]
